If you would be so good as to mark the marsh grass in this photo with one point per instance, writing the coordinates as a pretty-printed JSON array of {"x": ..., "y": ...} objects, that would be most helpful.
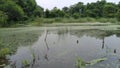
[
  {"x": 3, "y": 53},
  {"x": 14, "y": 37},
  {"x": 42, "y": 21},
  {"x": 25, "y": 63},
  {"x": 106, "y": 20}
]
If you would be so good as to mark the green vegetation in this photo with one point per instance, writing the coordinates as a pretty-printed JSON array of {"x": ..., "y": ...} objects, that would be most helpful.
[
  {"x": 4, "y": 52},
  {"x": 99, "y": 9},
  {"x": 42, "y": 21},
  {"x": 82, "y": 64},
  {"x": 13, "y": 11},
  {"x": 25, "y": 63},
  {"x": 3, "y": 18},
  {"x": 16, "y": 12},
  {"x": 13, "y": 38},
  {"x": 118, "y": 15}
]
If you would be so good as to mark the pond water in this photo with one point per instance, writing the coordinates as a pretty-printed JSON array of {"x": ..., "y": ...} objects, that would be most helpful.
[{"x": 60, "y": 47}]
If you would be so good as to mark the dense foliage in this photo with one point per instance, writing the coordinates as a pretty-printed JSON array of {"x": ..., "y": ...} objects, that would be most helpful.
[
  {"x": 3, "y": 18},
  {"x": 13, "y": 11}
]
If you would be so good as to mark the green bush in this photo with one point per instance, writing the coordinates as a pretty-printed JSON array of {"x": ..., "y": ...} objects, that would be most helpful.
[
  {"x": 14, "y": 11},
  {"x": 76, "y": 15},
  {"x": 102, "y": 20}
]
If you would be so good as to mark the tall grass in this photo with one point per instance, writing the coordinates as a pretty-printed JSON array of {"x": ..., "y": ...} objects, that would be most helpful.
[
  {"x": 106, "y": 20},
  {"x": 41, "y": 21}
]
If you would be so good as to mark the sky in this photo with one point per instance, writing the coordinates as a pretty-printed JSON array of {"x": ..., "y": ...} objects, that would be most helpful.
[{"x": 49, "y": 4}]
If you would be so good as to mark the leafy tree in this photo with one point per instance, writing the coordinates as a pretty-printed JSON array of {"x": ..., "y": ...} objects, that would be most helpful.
[
  {"x": 47, "y": 13},
  {"x": 118, "y": 15},
  {"x": 77, "y": 8},
  {"x": 19, "y": 10},
  {"x": 55, "y": 12},
  {"x": 38, "y": 11},
  {"x": 13, "y": 11},
  {"x": 92, "y": 10},
  {"x": 66, "y": 12},
  {"x": 99, "y": 8},
  {"x": 110, "y": 10},
  {"x": 60, "y": 13},
  {"x": 3, "y": 18},
  {"x": 28, "y": 6},
  {"x": 65, "y": 9},
  {"x": 76, "y": 15}
]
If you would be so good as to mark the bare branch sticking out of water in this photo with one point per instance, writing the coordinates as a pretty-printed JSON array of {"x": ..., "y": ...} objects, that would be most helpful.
[
  {"x": 46, "y": 39},
  {"x": 46, "y": 35},
  {"x": 46, "y": 55}
]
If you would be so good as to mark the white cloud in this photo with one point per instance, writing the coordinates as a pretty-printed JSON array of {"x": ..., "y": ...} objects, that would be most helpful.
[{"x": 61, "y": 3}]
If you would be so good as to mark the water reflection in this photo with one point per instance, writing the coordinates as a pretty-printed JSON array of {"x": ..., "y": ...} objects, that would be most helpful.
[
  {"x": 58, "y": 49},
  {"x": 103, "y": 43},
  {"x": 46, "y": 55}
]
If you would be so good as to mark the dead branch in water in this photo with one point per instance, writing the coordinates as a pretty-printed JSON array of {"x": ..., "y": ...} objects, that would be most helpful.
[
  {"x": 46, "y": 35},
  {"x": 46, "y": 55}
]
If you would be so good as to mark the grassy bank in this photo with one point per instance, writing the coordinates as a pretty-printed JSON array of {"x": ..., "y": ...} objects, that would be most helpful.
[
  {"x": 63, "y": 21},
  {"x": 42, "y": 21}
]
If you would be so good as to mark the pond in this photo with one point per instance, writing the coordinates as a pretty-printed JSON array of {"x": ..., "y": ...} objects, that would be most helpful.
[{"x": 59, "y": 47}]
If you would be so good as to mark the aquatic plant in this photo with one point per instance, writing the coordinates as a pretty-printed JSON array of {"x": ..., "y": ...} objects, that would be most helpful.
[
  {"x": 95, "y": 61},
  {"x": 82, "y": 64},
  {"x": 4, "y": 52},
  {"x": 25, "y": 63}
]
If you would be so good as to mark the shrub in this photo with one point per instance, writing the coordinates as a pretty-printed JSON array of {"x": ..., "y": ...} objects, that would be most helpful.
[{"x": 76, "y": 15}]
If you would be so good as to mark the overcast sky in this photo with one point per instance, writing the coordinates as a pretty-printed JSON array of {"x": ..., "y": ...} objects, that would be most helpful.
[{"x": 61, "y": 3}]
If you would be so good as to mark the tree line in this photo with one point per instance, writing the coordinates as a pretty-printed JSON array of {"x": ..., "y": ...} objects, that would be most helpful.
[
  {"x": 95, "y": 10},
  {"x": 12, "y": 11}
]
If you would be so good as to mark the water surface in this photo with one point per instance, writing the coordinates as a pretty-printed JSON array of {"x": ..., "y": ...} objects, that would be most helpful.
[{"x": 59, "y": 47}]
